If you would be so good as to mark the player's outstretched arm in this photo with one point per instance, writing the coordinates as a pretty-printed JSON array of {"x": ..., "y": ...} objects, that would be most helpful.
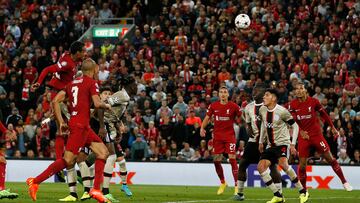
[
  {"x": 60, "y": 97},
  {"x": 43, "y": 74},
  {"x": 98, "y": 103}
]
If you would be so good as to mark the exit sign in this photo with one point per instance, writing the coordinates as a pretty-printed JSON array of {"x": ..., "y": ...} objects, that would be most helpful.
[{"x": 109, "y": 32}]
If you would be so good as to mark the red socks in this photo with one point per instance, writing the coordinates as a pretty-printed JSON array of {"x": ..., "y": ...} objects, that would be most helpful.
[
  {"x": 234, "y": 169},
  {"x": 59, "y": 146},
  {"x": 99, "y": 173},
  {"x": 302, "y": 176},
  {"x": 55, "y": 167},
  {"x": 337, "y": 169},
  {"x": 2, "y": 176},
  {"x": 219, "y": 171}
]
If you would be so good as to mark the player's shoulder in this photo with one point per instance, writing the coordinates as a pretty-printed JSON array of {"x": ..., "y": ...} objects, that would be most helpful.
[
  {"x": 263, "y": 109},
  {"x": 214, "y": 104},
  {"x": 281, "y": 108},
  {"x": 233, "y": 104}
]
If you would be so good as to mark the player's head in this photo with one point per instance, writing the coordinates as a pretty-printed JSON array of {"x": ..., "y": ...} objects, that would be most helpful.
[
  {"x": 78, "y": 50},
  {"x": 270, "y": 97},
  {"x": 258, "y": 92},
  {"x": 223, "y": 94},
  {"x": 90, "y": 68},
  {"x": 105, "y": 92},
  {"x": 300, "y": 90}
]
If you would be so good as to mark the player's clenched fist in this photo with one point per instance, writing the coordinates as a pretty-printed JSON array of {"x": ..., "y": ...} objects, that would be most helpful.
[
  {"x": 293, "y": 150},
  {"x": 63, "y": 127}
]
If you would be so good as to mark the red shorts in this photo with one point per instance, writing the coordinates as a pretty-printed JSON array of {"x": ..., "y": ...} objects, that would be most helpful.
[
  {"x": 221, "y": 147},
  {"x": 80, "y": 136},
  {"x": 318, "y": 142},
  {"x": 53, "y": 93}
]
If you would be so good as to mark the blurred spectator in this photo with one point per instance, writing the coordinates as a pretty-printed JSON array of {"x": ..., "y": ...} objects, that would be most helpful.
[
  {"x": 14, "y": 118},
  {"x": 343, "y": 157},
  {"x": 356, "y": 159},
  {"x": 139, "y": 149},
  {"x": 153, "y": 151},
  {"x": 151, "y": 133},
  {"x": 186, "y": 153}
]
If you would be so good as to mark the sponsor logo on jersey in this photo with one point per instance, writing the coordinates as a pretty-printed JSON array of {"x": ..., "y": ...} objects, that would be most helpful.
[
  {"x": 303, "y": 117},
  {"x": 221, "y": 118},
  {"x": 269, "y": 125}
]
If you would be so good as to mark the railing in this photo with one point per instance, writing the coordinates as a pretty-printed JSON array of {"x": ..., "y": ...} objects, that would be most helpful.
[{"x": 102, "y": 21}]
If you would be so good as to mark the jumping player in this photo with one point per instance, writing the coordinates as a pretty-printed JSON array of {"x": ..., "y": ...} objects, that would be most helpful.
[
  {"x": 224, "y": 141},
  {"x": 304, "y": 109},
  {"x": 275, "y": 127},
  {"x": 110, "y": 123},
  {"x": 251, "y": 153},
  {"x": 63, "y": 73},
  {"x": 80, "y": 92}
]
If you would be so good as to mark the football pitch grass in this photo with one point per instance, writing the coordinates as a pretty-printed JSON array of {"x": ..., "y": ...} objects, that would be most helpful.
[{"x": 51, "y": 192}]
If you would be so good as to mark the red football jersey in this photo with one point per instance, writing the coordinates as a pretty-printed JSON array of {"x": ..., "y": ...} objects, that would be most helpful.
[
  {"x": 79, "y": 92},
  {"x": 224, "y": 119},
  {"x": 305, "y": 115},
  {"x": 66, "y": 69}
]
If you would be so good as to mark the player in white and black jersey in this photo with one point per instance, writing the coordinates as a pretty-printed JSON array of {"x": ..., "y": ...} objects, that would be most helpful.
[
  {"x": 251, "y": 153},
  {"x": 275, "y": 122}
]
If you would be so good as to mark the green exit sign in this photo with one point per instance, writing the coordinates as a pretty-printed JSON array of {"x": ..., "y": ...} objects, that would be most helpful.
[{"x": 109, "y": 32}]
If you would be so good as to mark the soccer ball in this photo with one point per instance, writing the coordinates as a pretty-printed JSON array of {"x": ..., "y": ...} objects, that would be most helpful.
[{"x": 242, "y": 21}]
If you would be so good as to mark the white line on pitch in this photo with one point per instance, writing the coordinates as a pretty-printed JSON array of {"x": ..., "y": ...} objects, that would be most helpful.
[{"x": 196, "y": 201}]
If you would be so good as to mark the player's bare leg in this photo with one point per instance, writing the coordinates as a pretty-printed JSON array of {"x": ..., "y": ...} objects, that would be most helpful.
[
  {"x": 283, "y": 163},
  {"x": 220, "y": 172},
  {"x": 33, "y": 183},
  {"x": 263, "y": 168},
  {"x": 109, "y": 167},
  {"x": 234, "y": 170},
  {"x": 72, "y": 179},
  {"x": 102, "y": 154},
  {"x": 337, "y": 169}
]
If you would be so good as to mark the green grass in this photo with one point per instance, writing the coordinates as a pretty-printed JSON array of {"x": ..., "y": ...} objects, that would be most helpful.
[{"x": 51, "y": 192}]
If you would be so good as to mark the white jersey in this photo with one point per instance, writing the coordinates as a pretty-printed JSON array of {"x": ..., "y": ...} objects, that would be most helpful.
[
  {"x": 252, "y": 117},
  {"x": 275, "y": 125}
]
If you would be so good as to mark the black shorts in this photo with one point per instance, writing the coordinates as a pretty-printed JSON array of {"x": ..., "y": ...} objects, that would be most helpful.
[
  {"x": 273, "y": 154},
  {"x": 251, "y": 153},
  {"x": 96, "y": 126},
  {"x": 107, "y": 139}
]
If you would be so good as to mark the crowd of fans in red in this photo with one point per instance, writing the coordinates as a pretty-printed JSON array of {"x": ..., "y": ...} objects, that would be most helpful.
[{"x": 181, "y": 52}]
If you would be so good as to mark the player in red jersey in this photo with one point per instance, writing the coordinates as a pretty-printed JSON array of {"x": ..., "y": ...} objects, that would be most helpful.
[
  {"x": 304, "y": 110},
  {"x": 63, "y": 73},
  {"x": 80, "y": 92},
  {"x": 4, "y": 193},
  {"x": 224, "y": 141}
]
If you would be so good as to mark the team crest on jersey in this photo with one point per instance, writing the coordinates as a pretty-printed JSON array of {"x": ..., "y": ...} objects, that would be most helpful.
[
  {"x": 310, "y": 109},
  {"x": 64, "y": 63},
  {"x": 276, "y": 117},
  {"x": 227, "y": 111}
]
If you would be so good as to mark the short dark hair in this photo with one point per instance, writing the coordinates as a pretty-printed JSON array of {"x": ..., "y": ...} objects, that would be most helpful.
[
  {"x": 76, "y": 47},
  {"x": 273, "y": 92},
  {"x": 105, "y": 88}
]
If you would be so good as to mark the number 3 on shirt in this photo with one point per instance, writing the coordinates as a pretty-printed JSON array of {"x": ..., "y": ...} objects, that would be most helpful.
[{"x": 75, "y": 91}]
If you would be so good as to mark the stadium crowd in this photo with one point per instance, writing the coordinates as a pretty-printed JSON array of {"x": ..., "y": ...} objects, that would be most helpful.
[{"x": 181, "y": 52}]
